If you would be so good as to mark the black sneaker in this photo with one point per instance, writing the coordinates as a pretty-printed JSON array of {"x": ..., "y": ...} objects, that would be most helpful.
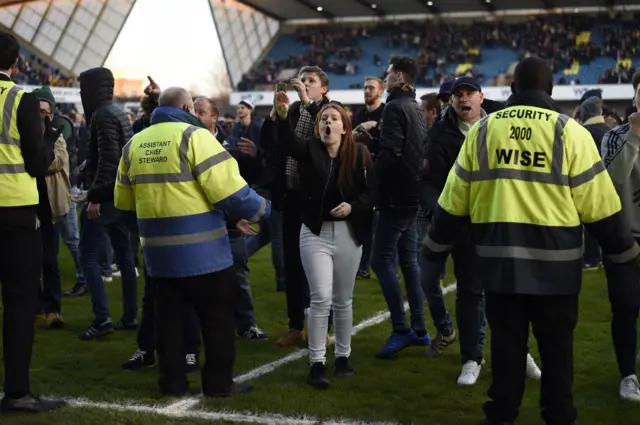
[
  {"x": 440, "y": 343},
  {"x": 255, "y": 332},
  {"x": 236, "y": 388},
  {"x": 78, "y": 290},
  {"x": 193, "y": 366},
  {"x": 318, "y": 376},
  {"x": 342, "y": 368},
  {"x": 140, "y": 360},
  {"x": 122, "y": 326},
  {"x": 97, "y": 330}
]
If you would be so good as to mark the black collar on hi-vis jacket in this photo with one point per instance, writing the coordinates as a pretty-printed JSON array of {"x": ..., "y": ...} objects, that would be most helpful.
[{"x": 539, "y": 99}]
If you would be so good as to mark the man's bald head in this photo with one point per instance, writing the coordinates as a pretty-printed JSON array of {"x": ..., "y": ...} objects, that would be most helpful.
[{"x": 178, "y": 97}]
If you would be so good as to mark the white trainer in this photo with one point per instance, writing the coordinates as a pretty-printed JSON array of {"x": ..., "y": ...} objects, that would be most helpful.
[
  {"x": 533, "y": 371},
  {"x": 470, "y": 373},
  {"x": 630, "y": 388}
]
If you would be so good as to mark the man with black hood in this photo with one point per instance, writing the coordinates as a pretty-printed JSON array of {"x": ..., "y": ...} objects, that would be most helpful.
[{"x": 109, "y": 130}]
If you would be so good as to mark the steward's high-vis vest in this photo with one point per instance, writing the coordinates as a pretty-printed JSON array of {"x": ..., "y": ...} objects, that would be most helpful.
[
  {"x": 17, "y": 187},
  {"x": 528, "y": 177},
  {"x": 178, "y": 179}
]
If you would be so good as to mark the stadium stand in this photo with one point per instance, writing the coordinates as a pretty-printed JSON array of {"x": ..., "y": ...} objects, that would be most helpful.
[
  {"x": 35, "y": 71},
  {"x": 582, "y": 49}
]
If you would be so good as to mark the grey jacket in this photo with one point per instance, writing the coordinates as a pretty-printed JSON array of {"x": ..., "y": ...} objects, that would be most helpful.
[{"x": 620, "y": 148}]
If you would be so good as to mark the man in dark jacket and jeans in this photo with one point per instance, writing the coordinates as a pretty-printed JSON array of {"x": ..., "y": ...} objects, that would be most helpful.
[
  {"x": 109, "y": 130},
  {"x": 591, "y": 117},
  {"x": 402, "y": 132}
]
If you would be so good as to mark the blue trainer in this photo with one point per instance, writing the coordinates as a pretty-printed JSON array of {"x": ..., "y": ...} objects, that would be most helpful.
[
  {"x": 423, "y": 341},
  {"x": 397, "y": 342}
]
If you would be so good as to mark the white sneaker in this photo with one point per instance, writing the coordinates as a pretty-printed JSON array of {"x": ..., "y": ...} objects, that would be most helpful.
[
  {"x": 533, "y": 371},
  {"x": 106, "y": 279},
  {"x": 630, "y": 388},
  {"x": 470, "y": 373}
]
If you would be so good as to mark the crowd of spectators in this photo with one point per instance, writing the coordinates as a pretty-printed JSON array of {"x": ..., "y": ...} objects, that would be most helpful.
[
  {"x": 437, "y": 45},
  {"x": 37, "y": 72}
]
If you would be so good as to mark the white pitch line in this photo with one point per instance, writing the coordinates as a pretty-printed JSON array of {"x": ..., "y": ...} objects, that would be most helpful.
[
  {"x": 186, "y": 404},
  {"x": 372, "y": 321},
  {"x": 229, "y": 416}
]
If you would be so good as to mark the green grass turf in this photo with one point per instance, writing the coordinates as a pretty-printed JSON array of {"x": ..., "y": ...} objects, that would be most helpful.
[{"x": 409, "y": 389}]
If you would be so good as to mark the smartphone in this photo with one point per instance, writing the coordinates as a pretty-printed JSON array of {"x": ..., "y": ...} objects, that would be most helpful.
[{"x": 281, "y": 87}]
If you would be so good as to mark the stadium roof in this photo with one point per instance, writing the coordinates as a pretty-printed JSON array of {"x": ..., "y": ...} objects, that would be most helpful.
[
  {"x": 73, "y": 35},
  {"x": 323, "y": 9}
]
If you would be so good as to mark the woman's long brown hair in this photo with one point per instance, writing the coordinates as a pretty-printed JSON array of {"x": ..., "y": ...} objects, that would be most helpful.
[{"x": 348, "y": 152}]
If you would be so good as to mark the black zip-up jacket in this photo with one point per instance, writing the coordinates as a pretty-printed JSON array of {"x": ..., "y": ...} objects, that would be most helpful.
[
  {"x": 319, "y": 192},
  {"x": 402, "y": 133},
  {"x": 109, "y": 130},
  {"x": 273, "y": 148}
]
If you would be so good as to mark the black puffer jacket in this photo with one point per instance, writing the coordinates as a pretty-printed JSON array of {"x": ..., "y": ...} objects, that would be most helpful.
[
  {"x": 402, "y": 133},
  {"x": 109, "y": 130}
]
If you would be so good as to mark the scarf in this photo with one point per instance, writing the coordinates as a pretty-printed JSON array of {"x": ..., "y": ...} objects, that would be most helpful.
[{"x": 304, "y": 130}]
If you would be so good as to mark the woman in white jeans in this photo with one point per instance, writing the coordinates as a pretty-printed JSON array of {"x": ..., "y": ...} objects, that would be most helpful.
[{"x": 337, "y": 182}]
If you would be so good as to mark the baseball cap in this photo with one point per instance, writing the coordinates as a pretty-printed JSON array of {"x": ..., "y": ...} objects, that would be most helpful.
[
  {"x": 247, "y": 102},
  {"x": 445, "y": 88},
  {"x": 466, "y": 82}
]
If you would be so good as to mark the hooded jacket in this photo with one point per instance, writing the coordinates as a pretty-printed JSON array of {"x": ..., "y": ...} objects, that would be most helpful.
[
  {"x": 109, "y": 130},
  {"x": 66, "y": 126},
  {"x": 592, "y": 119}
]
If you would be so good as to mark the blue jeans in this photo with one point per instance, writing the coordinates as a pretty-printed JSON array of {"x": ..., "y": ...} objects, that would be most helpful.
[
  {"x": 68, "y": 228},
  {"x": 92, "y": 242},
  {"x": 244, "y": 316},
  {"x": 396, "y": 235},
  {"x": 430, "y": 272}
]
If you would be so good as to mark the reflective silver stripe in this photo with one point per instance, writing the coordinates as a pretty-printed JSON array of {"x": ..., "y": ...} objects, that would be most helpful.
[
  {"x": 526, "y": 175},
  {"x": 184, "y": 148},
  {"x": 210, "y": 162},
  {"x": 628, "y": 255},
  {"x": 555, "y": 177},
  {"x": 185, "y": 174},
  {"x": 588, "y": 175},
  {"x": 163, "y": 178},
  {"x": 191, "y": 238},
  {"x": 123, "y": 179},
  {"x": 9, "y": 103},
  {"x": 524, "y": 253},
  {"x": 483, "y": 154},
  {"x": 434, "y": 246},
  {"x": 261, "y": 211},
  {"x": 462, "y": 173},
  {"x": 558, "y": 146},
  {"x": 125, "y": 156},
  {"x": 12, "y": 168}
]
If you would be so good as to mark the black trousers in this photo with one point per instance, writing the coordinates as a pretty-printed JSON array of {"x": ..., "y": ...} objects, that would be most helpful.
[
  {"x": 147, "y": 330},
  {"x": 297, "y": 287},
  {"x": 470, "y": 304},
  {"x": 51, "y": 291},
  {"x": 623, "y": 285},
  {"x": 213, "y": 298},
  {"x": 20, "y": 268},
  {"x": 553, "y": 319}
]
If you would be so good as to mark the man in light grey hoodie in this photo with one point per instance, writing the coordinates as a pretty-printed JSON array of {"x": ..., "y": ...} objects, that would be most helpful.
[{"x": 620, "y": 149}]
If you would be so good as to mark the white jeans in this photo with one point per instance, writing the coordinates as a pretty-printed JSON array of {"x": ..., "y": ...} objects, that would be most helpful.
[{"x": 331, "y": 263}]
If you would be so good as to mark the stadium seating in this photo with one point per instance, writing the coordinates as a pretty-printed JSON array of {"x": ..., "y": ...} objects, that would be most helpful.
[
  {"x": 588, "y": 38},
  {"x": 36, "y": 71}
]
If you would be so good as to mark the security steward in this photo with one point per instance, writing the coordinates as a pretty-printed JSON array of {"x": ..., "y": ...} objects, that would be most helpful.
[
  {"x": 180, "y": 181},
  {"x": 527, "y": 176},
  {"x": 23, "y": 157}
]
